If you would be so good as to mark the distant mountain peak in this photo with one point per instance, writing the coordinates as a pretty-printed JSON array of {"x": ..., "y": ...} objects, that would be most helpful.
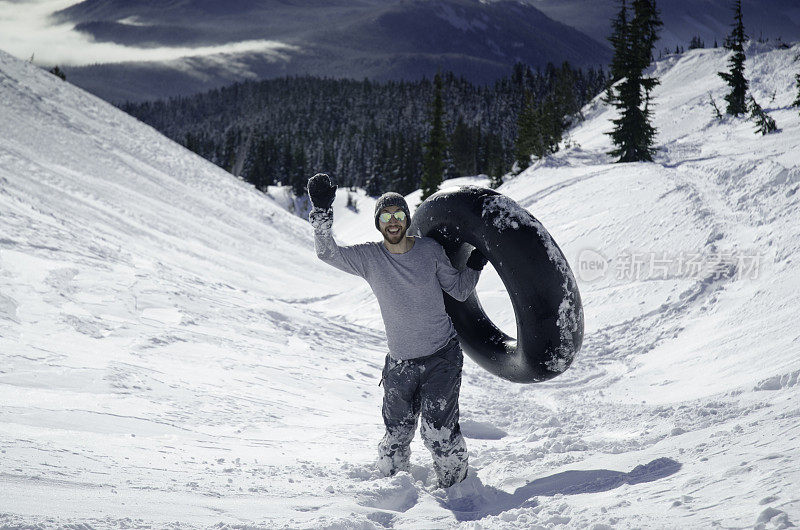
[{"x": 392, "y": 40}]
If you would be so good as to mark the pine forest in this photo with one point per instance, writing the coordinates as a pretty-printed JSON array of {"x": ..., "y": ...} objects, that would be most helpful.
[{"x": 364, "y": 133}]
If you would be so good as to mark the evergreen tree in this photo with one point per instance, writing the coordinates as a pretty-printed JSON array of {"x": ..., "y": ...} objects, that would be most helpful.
[
  {"x": 361, "y": 131},
  {"x": 328, "y": 161},
  {"x": 191, "y": 143},
  {"x": 541, "y": 125},
  {"x": 796, "y": 102},
  {"x": 286, "y": 163},
  {"x": 644, "y": 31},
  {"x": 58, "y": 72},
  {"x": 644, "y": 35},
  {"x": 495, "y": 159},
  {"x": 374, "y": 187},
  {"x": 528, "y": 134},
  {"x": 736, "y": 98},
  {"x": 765, "y": 124},
  {"x": 633, "y": 135},
  {"x": 619, "y": 43},
  {"x": 696, "y": 43},
  {"x": 463, "y": 149},
  {"x": 564, "y": 97},
  {"x": 552, "y": 123},
  {"x": 229, "y": 149},
  {"x": 433, "y": 165},
  {"x": 493, "y": 154},
  {"x": 299, "y": 176}
]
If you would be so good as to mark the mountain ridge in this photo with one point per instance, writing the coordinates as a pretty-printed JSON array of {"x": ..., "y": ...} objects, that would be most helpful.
[{"x": 404, "y": 40}]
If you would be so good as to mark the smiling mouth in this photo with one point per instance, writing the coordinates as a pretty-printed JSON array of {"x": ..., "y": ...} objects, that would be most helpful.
[{"x": 394, "y": 231}]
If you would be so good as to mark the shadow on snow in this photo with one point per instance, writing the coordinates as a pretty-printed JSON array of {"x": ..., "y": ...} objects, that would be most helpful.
[{"x": 493, "y": 501}]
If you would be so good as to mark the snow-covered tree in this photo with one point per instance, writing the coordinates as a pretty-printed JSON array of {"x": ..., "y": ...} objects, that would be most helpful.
[
  {"x": 737, "y": 97},
  {"x": 355, "y": 130},
  {"x": 542, "y": 122},
  {"x": 796, "y": 102}
]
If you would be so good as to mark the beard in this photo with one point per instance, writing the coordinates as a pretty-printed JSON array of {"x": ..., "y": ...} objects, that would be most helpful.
[{"x": 396, "y": 238}]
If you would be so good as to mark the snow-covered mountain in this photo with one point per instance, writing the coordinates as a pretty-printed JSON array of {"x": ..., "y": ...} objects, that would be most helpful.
[
  {"x": 377, "y": 40},
  {"x": 173, "y": 354}
]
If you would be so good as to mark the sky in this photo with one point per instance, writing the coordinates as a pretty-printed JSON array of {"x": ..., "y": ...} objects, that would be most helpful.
[{"x": 27, "y": 31}]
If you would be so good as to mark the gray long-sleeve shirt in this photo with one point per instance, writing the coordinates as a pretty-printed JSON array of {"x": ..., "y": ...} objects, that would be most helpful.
[{"x": 408, "y": 287}]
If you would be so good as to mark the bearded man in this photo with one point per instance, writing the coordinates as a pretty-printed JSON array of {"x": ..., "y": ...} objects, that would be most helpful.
[{"x": 422, "y": 370}]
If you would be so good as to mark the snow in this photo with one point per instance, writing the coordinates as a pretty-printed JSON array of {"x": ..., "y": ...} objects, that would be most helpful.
[
  {"x": 173, "y": 353},
  {"x": 505, "y": 213}
]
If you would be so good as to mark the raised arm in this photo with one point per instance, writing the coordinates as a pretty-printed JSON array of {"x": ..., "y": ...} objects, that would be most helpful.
[
  {"x": 456, "y": 283},
  {"x": 350, "y": 259}
]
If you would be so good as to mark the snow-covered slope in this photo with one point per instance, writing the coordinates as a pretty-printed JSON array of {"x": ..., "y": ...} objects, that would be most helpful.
[
  {"x": 151, "y": 308},
  {"x": 173, "y": 354}
]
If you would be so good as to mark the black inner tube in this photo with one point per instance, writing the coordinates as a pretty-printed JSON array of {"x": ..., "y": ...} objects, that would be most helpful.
[{"x": 543, "y": 290}]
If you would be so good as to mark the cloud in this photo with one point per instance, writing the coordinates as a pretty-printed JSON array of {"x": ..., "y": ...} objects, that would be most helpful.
[
  {"x": 26, "y": 30},
  {"x": 235, "y": 66}
]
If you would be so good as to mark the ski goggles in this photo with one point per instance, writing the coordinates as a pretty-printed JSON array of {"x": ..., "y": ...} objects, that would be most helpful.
[{"x": 385, "y": 216}]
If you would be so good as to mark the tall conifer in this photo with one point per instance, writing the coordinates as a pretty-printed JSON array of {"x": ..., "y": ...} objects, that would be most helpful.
[
  {"x": 433, "y": 165},
  {"x": 299, "y": 176},
  {"x": 644, "y": 29},
  {"x": 528, "y": 133},
  {"x": 619, "y": 43},
  {"x": 463, "y": 149},
  {"x": 796, "y": 102},
  {"x": 737, "y": 97},
  {"x": 633, "y": 135}
]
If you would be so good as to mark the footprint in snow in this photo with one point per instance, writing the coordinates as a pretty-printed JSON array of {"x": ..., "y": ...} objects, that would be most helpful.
[
  {"x": 397, "y": 494},
  {"x": 385, "y": 519},
  {"x": 479, "y": 430},
  {"x": 773, "y": 518}
]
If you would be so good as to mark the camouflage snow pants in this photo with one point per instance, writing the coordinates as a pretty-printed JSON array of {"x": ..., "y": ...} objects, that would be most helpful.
[{"x": 428, "y": 386}]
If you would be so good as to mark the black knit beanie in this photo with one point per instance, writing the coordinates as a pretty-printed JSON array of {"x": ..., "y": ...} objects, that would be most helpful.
[{"x": 391, "y": 198}]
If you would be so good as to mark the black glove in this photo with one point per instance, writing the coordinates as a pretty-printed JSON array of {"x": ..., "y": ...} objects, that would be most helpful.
[
  {"x": 321, "y": 191},
  {"x": 476, "y": 260}
]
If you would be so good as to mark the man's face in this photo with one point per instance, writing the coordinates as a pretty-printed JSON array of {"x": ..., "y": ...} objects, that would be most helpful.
[{"x": 394, "y": 231}]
